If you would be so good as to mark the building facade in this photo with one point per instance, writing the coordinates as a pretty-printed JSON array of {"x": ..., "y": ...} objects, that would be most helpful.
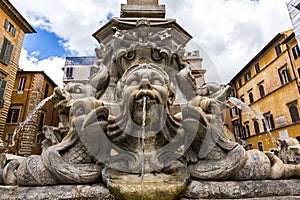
[
  {"x": 269, "y": 86},
  {"x": 29, "y": 90},
  {"x": 294, "y": 11},
  {"x": 195, "y": 61},
  {"x": 78, "y": 69},
  {"x": 13, "y": 28}
]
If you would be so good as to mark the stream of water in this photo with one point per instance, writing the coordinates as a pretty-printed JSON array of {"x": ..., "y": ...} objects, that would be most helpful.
[
  {"x": 28, "y": 118},
  {"x": 244, "y": 107},
  {"x": 143, "y": 144}
]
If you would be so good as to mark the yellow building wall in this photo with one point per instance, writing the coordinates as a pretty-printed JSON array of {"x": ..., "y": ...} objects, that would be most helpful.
[
  {"x": 12, "y": 67},
  {"x": 268, "y": 139},
  {"x": 23, "y": 100},
  {"x": 277, "y": 96}
]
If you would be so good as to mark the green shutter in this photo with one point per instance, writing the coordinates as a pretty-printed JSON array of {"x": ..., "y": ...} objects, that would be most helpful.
[
  {"x": 8, "y": 53},
  {"x": 3, "y": 49},
  {"x": 2, "y": 88},
  {"x": 13, "y": 32},
  {"x": 6, "y": 24}
]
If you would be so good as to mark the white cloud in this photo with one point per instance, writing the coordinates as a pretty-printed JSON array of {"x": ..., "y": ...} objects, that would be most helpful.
[
  {"x": 51, "y": 66},
  {"x": 231, "y": 32}
]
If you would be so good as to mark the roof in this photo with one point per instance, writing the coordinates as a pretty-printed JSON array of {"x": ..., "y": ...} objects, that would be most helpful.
[
  {"x": 13, "y": 13},
  {"x": 255, "y": 58},
  {"x": 39, "y": 72},
  {"x": 82, "y": 60}
]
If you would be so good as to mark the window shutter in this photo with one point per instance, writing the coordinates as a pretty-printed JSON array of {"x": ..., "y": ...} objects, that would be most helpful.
[
  {"x": 272, "y": 121},
  {"x": 6, "y": 24},
  {"x": 3, "y": 48},
  {"x": 2, "y": 88},
  {"x": 13, "y": 32},
  {"x": 294, "y": 113},
  {"x": 280, "y": 76},
  {"x": 8, "y": 54},
  {"x": 288, "y": 75},
  {"x": 15, "y": 116}
]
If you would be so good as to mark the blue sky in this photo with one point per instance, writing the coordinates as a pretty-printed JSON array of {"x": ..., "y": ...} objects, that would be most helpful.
[
  {"x": 228, "y": 33},
  {"x": 44, "y": 44}
]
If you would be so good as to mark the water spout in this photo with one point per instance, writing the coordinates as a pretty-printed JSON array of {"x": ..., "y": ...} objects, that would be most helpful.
[
  {"x": 28, "y": 118},
  {"x": 244, "y": 107}
]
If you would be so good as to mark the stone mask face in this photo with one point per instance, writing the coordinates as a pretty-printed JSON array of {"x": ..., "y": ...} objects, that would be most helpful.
[{"x": 149, "y": 85}]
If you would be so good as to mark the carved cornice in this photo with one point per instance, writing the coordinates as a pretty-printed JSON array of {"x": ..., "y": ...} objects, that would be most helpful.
[{"x": 12, "y": 12}]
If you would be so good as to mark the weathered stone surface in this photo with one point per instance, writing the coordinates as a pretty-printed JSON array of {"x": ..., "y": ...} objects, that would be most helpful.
[
  {"x": 257, "y": 166},
  {"x": 150, "y": 186},
  {"x": 254, "y": 190},
  {"x": 73, "y": 192},
  {"x": 243, "y": 189}
]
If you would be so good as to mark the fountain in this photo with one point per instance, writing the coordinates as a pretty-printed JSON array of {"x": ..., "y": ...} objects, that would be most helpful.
[{"x": 142, "y": 129}]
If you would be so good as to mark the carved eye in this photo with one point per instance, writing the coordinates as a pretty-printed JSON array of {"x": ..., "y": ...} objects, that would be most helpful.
[
  {"x": 77, "y": 90},
  {"x": 80, "y": 110},
  {"x": 157, "y": 81},
  {"x": 133, "y": 83}
]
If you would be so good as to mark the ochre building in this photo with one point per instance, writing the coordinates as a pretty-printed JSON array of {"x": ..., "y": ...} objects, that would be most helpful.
[
  {"x": 13, "y": 28},
  {"x": 269, "y": 85},
  {"x": 29, "y": 90}
]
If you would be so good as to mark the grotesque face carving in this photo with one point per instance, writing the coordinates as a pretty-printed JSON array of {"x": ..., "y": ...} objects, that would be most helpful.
[{"x": 149, "y": 85}]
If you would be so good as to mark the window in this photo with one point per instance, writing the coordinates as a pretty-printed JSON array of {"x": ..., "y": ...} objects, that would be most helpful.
[
  {"x": 13, "y": 115},
  {"x": 256, "y": 127},
  {"x": 21, "y": 85},
  {"x": 2, "y": 90},
  {"x": 10, "y": 27},
  {"x": 39, "y": 138},
  {"x": 6, "y": 51},
  {"x": 242, "y": 99},
  {"x": 284, "y": 75},
  {"x": 294, "y": 112},
  {"x": 247, "y": 129},
  {"x": 296, "y": 52},
  {"x": 278, "y": 50},
  {"x": 247, "y": 76},
  {"x": 69, "y": 72},
  {"x": 232, "y": 93},
  {"x": 237, "y": 131},
  {"x": 240, "y": 82},
  {"x": 9, "y": 137},
  {"x": 41, "y": 122},
  {"x": 257, "y": 68},
  {"x": 261, "y": 90},
  {"x": 260, "y": 146},
  {"x": 250, "y": 146},
  {"x": 233, "y": 111},
  {"x": 268, "y": 122},
  {"x": 46, "y": 91},
  {"x": 251, "y": 99},
  {"x": 298, "y": 6}
]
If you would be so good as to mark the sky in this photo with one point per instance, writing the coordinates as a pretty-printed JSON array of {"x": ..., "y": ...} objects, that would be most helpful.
[{"x": 228, "y": 33}]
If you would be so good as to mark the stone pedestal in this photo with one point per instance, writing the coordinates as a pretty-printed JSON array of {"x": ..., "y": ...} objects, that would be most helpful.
[
  {"x": 260, "y": 190},
  {"x": 142, "y": 2},
  {"x": 139, "y": 10}
]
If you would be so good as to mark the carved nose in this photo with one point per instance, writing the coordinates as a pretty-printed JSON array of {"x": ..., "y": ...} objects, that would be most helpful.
[{"x": 145, "y": 84}]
